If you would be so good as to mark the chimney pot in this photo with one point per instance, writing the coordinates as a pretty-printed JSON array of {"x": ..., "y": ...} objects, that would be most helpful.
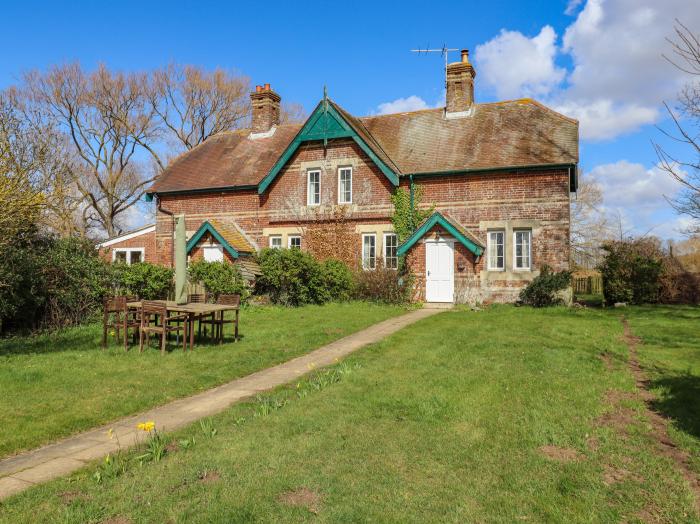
[
  {"x": 465, "y": 56},
  {"x": 267, "y": 87},
  {"x": 258, "y": 89}
]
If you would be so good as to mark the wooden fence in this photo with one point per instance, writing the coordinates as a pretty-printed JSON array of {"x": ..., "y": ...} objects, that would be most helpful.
[{"x": 592, "y": 285}]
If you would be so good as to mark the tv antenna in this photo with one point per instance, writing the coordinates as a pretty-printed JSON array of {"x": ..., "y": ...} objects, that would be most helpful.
[{"x": 443, "y": 51}]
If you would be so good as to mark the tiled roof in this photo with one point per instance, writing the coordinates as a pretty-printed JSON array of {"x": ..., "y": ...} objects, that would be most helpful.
[
  {"x": 233, "y": 236},
  {"x": 225, "y": 160},
  {"x": 502, "y": 134}
]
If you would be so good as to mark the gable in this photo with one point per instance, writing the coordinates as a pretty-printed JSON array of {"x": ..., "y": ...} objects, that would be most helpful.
[
  {"x": 462, "y": 236},
  {"x": 228, "y": 236},
  {"x": 327, "y": 122}
]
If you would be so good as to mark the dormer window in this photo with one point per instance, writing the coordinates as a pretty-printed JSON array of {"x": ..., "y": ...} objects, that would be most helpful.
[
  {"x": 345, "y": 185},
  {"x": 313, "y": 188}
]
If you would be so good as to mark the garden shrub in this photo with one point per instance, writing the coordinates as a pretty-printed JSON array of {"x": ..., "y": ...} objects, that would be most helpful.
[
  {"x": 545, "y": 289},
  {"x": 632, "y": 271},
  {"x": 290, "y": 277},
  {"x": 219, "y": 278},
  {"x": 337, "y": 280},
  {"x": 54, "y": 283},
  {"x": 383, "y": 285},
  {"x": 148, "y": 281},
  {"x": 293, "y": 277}
]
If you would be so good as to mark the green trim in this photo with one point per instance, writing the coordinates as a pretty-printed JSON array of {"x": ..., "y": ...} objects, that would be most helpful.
[
  {"x": 573, "y": 171},
  {"x": 208, "y": 228},
  {"x": 325, "y": 123},
  {"x": 437, "y": 219}
]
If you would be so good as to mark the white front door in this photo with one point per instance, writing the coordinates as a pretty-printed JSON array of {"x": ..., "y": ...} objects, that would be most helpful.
[
  {"x": 214, "y": 253},
  {"x": 439, "y": 271}
]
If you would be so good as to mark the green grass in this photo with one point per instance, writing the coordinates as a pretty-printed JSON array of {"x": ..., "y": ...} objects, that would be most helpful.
[
  {"x": 441, "y": 422},
  {"x": 58, "y": 384}
]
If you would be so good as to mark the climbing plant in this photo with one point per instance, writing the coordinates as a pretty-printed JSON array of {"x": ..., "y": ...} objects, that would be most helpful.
[{"x": 406, "y": 217}]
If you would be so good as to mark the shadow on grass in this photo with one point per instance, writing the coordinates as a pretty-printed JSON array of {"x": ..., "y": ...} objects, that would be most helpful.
[
  {"x": 84, "y": 338},
  {"x": 679, "y": 401}
]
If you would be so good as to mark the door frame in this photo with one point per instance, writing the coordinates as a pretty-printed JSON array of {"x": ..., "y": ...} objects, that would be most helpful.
[{"x": 447, "y": 241}]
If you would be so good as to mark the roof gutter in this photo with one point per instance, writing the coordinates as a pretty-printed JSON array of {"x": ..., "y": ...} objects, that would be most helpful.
[
  {"x": 570, "y": 167},
  {"x": 246, "y": 187}
]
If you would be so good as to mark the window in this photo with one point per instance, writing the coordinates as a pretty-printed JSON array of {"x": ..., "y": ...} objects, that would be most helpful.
[
  {"x": 345, "y": 185},
  {"x": 129, "y": 255},
  {"x": 391, "y": 260},
  {"x": 369, "y": 257},
  {"x": 294, "y": 241},
  {"x": 522, "y": 249},
  {"x": 313, "y": 188},
  {"x": 496, "y": 250},
  {"x": 213, "y": 253},
  {"x": 275, "y": 241}
]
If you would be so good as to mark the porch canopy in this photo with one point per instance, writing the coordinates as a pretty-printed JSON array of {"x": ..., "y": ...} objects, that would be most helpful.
[{"x": 461, "y": 234}]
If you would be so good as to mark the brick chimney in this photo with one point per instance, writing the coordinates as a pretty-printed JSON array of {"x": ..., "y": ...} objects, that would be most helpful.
[
  {"x": 266, "y": 108},
  {"x": 460, "y": 85}
]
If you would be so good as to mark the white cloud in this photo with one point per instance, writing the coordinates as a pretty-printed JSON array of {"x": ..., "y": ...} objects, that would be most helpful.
[
  {"x": 618, "y": 78},
  {"x": 602, "y": 119},
  {"x": 638, "y": 196},
  {"x": 572, "y": 6},
  {"x": 628, "y": 184},
  {"x": 515, "y": 65},
  {"x": 402, "y": 105}
]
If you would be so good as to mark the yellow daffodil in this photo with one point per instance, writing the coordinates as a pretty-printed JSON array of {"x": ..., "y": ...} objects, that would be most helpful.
[
  {"x": 110, "y": 433},
  {"x": 147, "y": 426}
]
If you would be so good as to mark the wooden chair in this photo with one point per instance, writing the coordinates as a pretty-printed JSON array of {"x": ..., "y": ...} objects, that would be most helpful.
[
  {"x": 163, "y": 327},
  {"x": 198, "y": 298},
  {"x": 217, "y": 321},
  {"x": 113, "y": 310},
  {"x": 131, "y": 319}
]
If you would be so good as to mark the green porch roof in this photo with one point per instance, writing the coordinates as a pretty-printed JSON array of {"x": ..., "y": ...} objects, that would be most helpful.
[
  {"x": 207, "y": 227},
  {"x": 462, "y": 236}
]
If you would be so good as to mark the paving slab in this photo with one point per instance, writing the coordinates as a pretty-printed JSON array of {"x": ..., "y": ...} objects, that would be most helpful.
[{"x": 22, "y": 471}]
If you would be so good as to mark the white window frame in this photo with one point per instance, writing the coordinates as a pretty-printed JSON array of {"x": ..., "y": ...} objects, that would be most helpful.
[
  {"x": 289, "y": 241},
  {"x": 219, "y": 249},
  {"x": 489, "y": 244},
  {"x": 275, "y": 237},
  {"x": 374, "y": 259},
  {"x": 309, "y": 201},
  {"x": 341, "y": 193},
  {"x": 529, "y": 250},
  {"x": 128, "y": 251},
  {"x": 396, "y": 256}
]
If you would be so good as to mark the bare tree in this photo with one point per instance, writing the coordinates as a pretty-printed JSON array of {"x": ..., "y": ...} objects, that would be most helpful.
[
  {"x": 112, "y": 133},
  {"x": 590, "y": 227},
  {"x": 193, "y": 104},
  {"x": 21, "y": 199},
  {"x": 686, "y": 119},
  {"x": 292, "y": 113}
]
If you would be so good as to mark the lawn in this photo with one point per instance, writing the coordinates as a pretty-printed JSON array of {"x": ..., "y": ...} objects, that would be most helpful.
[
  {"x": 503, "y": 415},
  {"x": 59, "y": 384}
]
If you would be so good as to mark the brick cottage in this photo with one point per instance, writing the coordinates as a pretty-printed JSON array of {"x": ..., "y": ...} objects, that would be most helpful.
[{"x": 499, "y": 174}]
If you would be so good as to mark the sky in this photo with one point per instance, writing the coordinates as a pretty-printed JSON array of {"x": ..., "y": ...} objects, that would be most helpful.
[{"x": 600, "y": 61}]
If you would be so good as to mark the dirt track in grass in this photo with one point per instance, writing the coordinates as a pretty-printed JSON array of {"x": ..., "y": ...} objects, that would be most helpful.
[{"x": 659, "y": 424}]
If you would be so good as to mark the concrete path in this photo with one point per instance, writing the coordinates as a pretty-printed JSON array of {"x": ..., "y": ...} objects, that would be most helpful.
[{"x": 22, "y": 471}]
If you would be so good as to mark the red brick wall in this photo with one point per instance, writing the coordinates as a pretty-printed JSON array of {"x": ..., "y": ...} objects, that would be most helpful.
[
  {"x": 145, "y": 240},
  {"x": 471, "y": 199}
]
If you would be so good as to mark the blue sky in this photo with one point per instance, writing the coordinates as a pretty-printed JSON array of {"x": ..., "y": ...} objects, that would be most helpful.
[{"x": 597, "y": 60}]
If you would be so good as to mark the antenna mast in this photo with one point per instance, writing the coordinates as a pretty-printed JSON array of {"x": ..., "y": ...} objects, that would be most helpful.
[{"x": 443, "y": 51}]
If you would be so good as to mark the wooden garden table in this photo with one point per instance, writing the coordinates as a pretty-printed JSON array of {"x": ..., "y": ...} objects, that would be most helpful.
[{"x": 193, "y": 310}]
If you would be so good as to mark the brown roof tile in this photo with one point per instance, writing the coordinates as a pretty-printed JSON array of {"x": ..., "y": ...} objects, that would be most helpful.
[
  {"x": 225, "y": 160},
  {"x": 233, "y": 236},
  {"x": 501, "y": 134},
  {"x": 513, "y": 133}
]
